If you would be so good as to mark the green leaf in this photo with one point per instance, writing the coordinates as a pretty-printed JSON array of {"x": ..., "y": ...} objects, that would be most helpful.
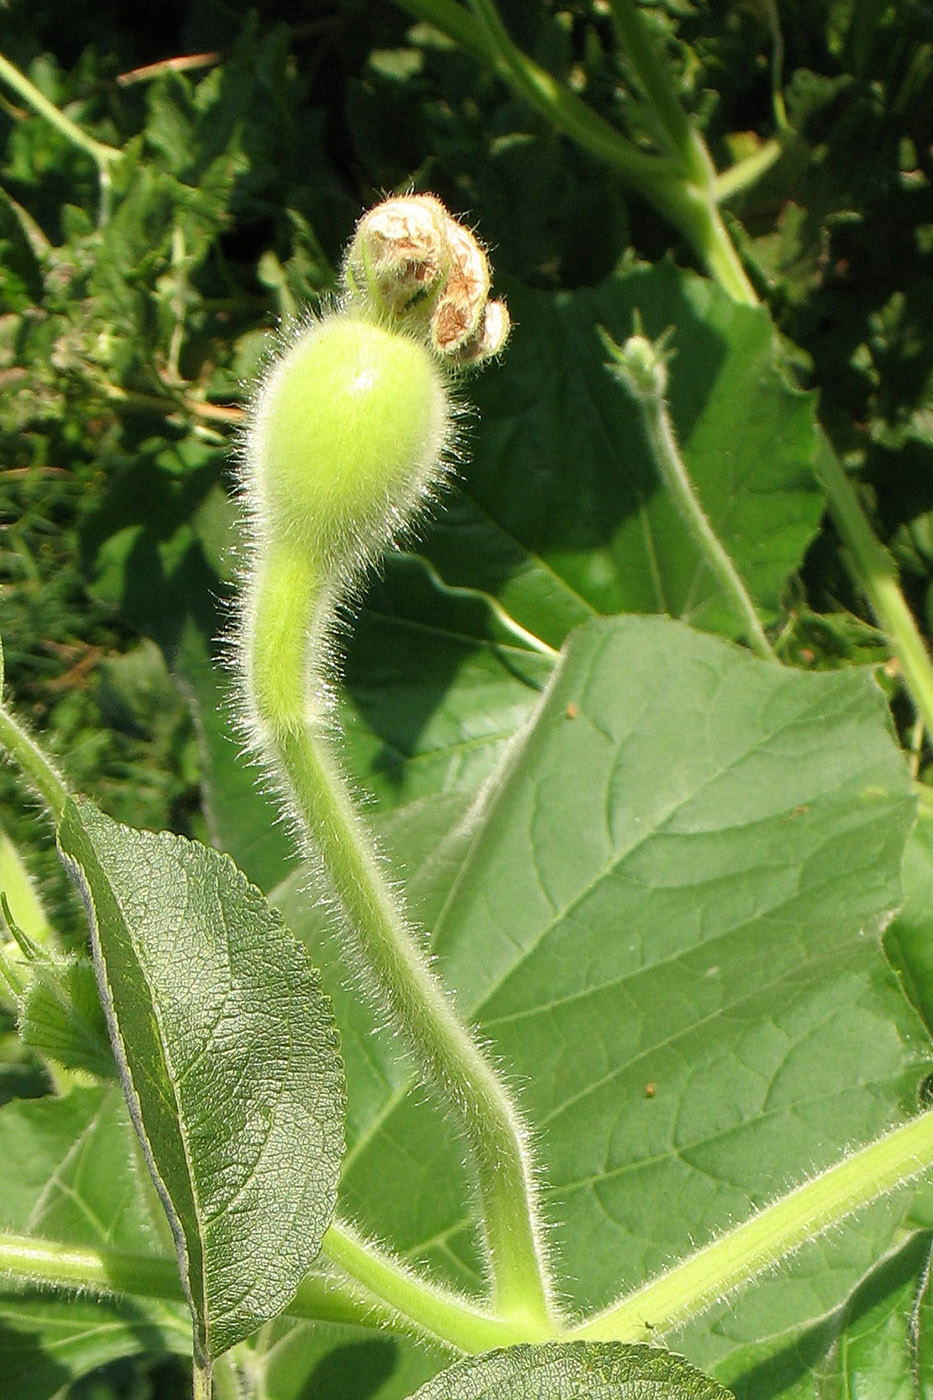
[
  {"x": 21, "y": 283},
  {"x": 566, "y": 513},
  {"x": 909, "y": 940},
  {"x": 573, "y": 1371},
  {"x": 664, "y": 917},
  {"x": 304, "y": 1360},
  {"x": 61, "y": 1017},
  {"x": 875, "y": 1341},
  {"x": 229, "y": 1056},
  {"x": 21, "y": 893},
  {"x": 71, "y": 1172}
]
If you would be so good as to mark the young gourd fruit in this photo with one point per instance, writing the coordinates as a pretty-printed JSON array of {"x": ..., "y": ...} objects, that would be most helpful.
[{"x": 349, "y": 436}]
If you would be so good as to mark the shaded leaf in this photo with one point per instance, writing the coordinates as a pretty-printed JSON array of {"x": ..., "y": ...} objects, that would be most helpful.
[
  {"x": 71, "y": 1173},
  {"x": 61, "y": 1017},
  {"x": 566, "y": 513},
  {"x": 909, "y": 940}
]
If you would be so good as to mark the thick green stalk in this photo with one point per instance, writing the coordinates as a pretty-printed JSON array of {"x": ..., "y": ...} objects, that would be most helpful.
[
  {"x": 876, "y": 572},
  {"x": 768, "y": 1238},
  {"x": 385, "y": 1294},
  {"x": 45, "y": 1262},
  {"x": 433, "y": 1311},
  {"x": 286, "y": 605},
  {"x": 379, "y": 1292}
]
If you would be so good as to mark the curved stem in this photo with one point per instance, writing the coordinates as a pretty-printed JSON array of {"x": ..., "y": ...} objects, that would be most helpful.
[
  {"x": 289, "y": 602},
  {"x": 563, "y": 108},
  {"x": 486, "y": 37},
  {"x": 769, "y": 1237},
  {"x": 378, "y": 1291},
  {"x": 102, "y": 154},
  {"x": 876, "y": 571},
  {"x": 33, "y": 763},
  {"x": 674, "y": 472},
  {"x": 677, "y": 130},
  {"x": 433, "y": 1310},
  {"x": 641, "y": 367}
]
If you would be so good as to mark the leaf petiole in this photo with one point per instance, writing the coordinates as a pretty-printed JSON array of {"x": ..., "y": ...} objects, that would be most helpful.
[
  {"x": 735, "y": 1259},
  {"x": 642, "y": 368},
  {"x": 34, "y": 764}
]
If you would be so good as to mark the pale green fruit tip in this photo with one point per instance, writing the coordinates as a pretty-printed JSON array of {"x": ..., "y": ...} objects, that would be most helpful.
[{"x": 349, "y": 432}]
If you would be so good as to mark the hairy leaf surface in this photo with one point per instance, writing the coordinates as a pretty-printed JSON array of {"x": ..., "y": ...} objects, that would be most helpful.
[
  {"x": 229, "y": 1056},
  {"x": 573, "y": 1371}
]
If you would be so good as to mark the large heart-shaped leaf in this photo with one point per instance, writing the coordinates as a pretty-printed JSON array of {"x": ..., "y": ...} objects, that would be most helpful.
[
  {"x": 230, "y": 1064},
  {"x": 665, "y": 919}
]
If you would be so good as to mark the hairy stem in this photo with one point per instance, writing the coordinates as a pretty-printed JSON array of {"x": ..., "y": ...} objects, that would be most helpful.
[
  {"x": 201, "y": 1383},
  {"x": 769, "y": 1237},
  {"x": 283, "y": 688},
  {"x": 101, "y": 1270},
  {"x": 377, "y": 1292},
  {"x": 641, "y": 367},
  {"x": 677, "y": 479},
  {"x": 33, "y": 763},
  {"x": 432, "y": 1310},
  {"x": 384, "y": 1293}
]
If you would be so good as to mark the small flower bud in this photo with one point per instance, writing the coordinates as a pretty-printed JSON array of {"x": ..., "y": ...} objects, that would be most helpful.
[
  {"x": 414, "y": 266},
  {"x": 399, "y": 255},
  {"x": 641, "y": 364}
]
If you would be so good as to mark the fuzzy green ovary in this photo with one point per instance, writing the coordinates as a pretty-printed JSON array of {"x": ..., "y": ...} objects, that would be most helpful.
[{"x": 350, "y": 429}]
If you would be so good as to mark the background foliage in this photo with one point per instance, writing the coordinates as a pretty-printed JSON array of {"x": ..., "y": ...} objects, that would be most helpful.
[{"x": 133, "y": 313}]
